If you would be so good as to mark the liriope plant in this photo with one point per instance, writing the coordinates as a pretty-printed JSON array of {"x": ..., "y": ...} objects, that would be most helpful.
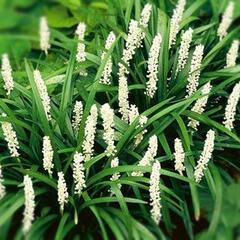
[{"x": 124, "y": 137}]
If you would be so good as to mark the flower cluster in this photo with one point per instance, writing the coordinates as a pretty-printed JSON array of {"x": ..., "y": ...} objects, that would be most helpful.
[
  {"x": 154, "y": 191},
  {"x": 2, "y": 187},
  {"x": 184, "y": 49},
  {"x": 77, "y": 115},
  {"x": 231, "y": 107},
  {"x": 42, "y": 89},
  {"x": 200, "y": 105},
  {"x": 81, "y": 54},
  {"x": 62, "y": 191},
  {"x": 6, "y": 72},
  {"x": 232, "y": 54},
  {"x": 194, "y": 73},
  {"x": 149, "y": 156},
  {"x": 175, "y": 21},
  {"x": 145, "y": 15},
  {"x": 78, "y": 173},
  {"x": 205, "y": 156},
  {"x": 28, "y": 214},
  {"x": 44, "y": 35},
  {"x": 179, "y": 156},
  {"x": 108, "y": 131},
  {"x": 153, "y": 66},
  {"x": 89, "y": 133},
  {"x": 47, "y": 155},
  {"x": 10, "y": 137},
  {"x": 227, "y": 19},
  {"x": 105, "y": 79}
]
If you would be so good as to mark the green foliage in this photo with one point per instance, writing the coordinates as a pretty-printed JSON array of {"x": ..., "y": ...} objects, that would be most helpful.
[{"x": 97, "y": 214}]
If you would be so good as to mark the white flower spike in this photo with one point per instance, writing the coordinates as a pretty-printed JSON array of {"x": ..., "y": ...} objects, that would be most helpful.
[
  {"x": 81, "y": 54},
  {"x": 179, "y": 156},
  {"x": 6, "y": 72},
  {"x": 205, "y": 156},
  {"x": 153, "y": 66},
  {"x": 28, "y": 215},
  {"x": 194, "y": 73},
  {"x": 77, "y": 115},
  {"x": 226, "y": 21},
  {"x": 154, "y": 190},
  {"x": 78, "y": 173},
  {"x": 232, "y": 54},
  {"x": 2, "y": 187},
  {"x": 230, "y": 111},
  {"x": 47, "y": 155},
  {"x": 42, "y": 89},
  {"x": 62, "y": 191},
  {"x": 10, "y": 137},
  {"x": 175, "y": 21},
  {"x": 44, "y": 33}
]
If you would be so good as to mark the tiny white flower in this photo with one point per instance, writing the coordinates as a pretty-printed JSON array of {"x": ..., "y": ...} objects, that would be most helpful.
[
  {"x": 226, "y": 21},
  {"x": 153, "y": 66},
  {"x": 184, "y": 49},
  {"x": 175, "y": 21},
  {"x": 149, "y": 156},
  {"x": 42, "y": 89},
  {"x": 230, "y": 111},
  {"x": 179, "y": 156},
  {"x": 232, "y": 54},
  {"x": 6, "y": 72},
  {"x": 108, "y": 131},
  {"x": 77, "y": 115},
  {"x": 194, "y": 73},
  {"x": 62, "y": 191},
  {"x": 154, "y": 190},
  {"x": 10, "y": 137},
  {"x": 2, "y": 187},
  {"x": 78, "y": 173},
  {"x": 47, "y": 155},
  {"x": 106, "y": 74},
  {"x": 28, "y": 214},
  {"x": 200, "y": 105},
  {"x": 89, "y": 133},
  {"x": 205, "y": 156},
  {"x": 44, "y": 35}
]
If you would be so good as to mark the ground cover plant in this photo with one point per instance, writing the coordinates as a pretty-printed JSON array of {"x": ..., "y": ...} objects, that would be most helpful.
[{"x": 120, "y": 120}]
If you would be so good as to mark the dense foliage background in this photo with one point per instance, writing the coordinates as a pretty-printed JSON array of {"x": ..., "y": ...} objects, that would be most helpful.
[{"x": 209, "y": 210}]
